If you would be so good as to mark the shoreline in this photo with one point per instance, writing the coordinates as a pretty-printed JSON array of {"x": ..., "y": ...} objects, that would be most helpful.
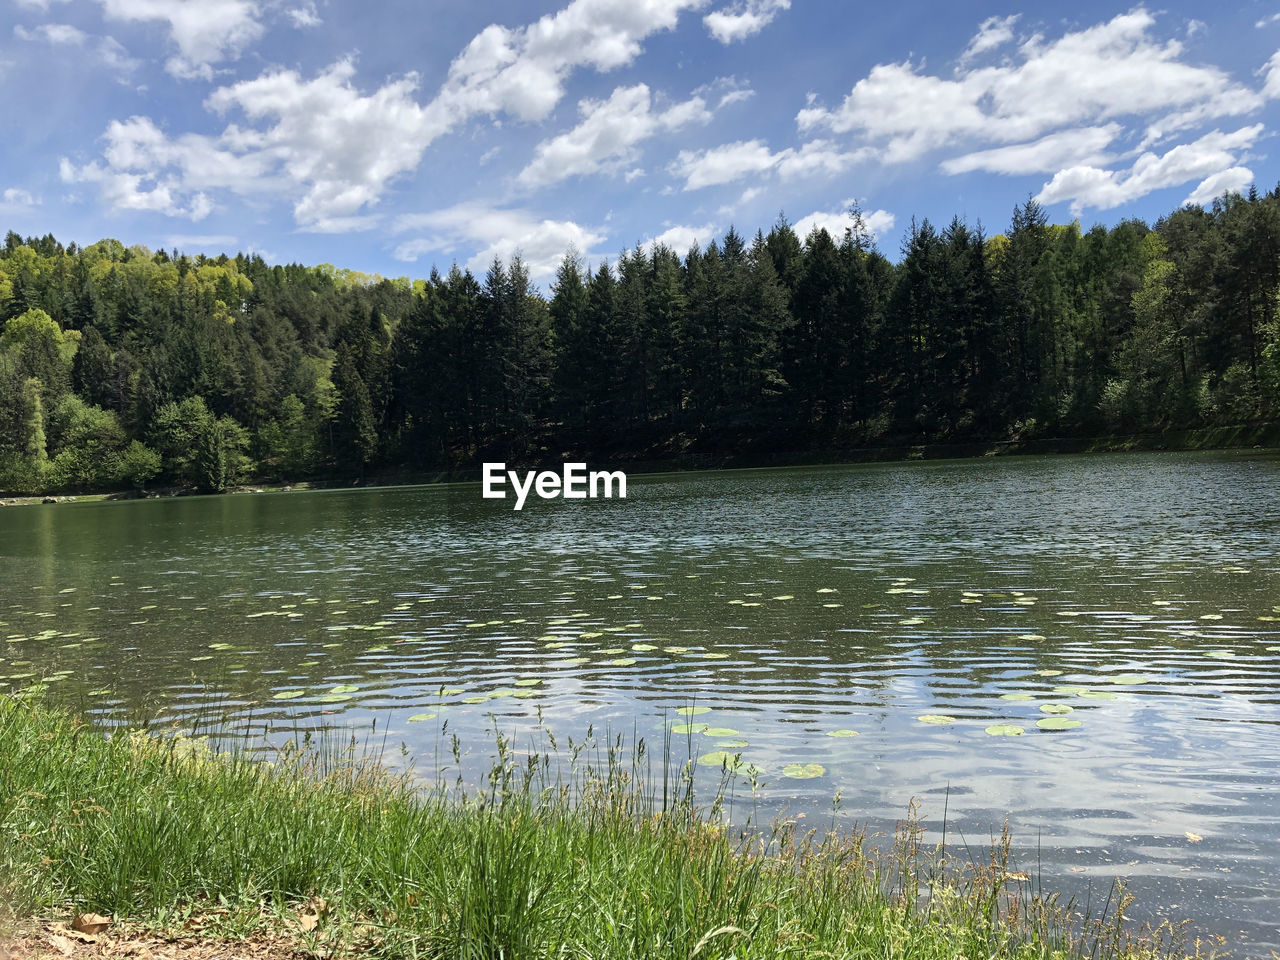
[
  {"x": 1252, "y": 438},
  {"x": 591, "y": 859}
]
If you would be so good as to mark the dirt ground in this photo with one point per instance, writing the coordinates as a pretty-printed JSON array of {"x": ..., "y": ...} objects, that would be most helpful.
[{"x": 57, "y": 941}]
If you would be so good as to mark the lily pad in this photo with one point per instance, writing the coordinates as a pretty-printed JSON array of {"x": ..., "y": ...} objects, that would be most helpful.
[
  {"x": 1128, "y": 679},
  {"x": 421, "y": 717},
  {"x": 735, "y": 744},
  {"x": 1015, "y": 696},
  {"x": 345, "y": 688},
  {"x": 288, "y": 694},
  {"x": 692, "y": 711},
  {"x": 1056, "y": 708},
  {"x": 335, "y": 698},
  {"x": 1005, "y": 730},
  {"x": 624, "y": 662},
  {"x": 842, "y": 733},
  {"x": 936, "y": 719},
  {"x": 528, "y": 682},
  {"x": 687, "y": 728},
  {"x": 803, "y": 771},
  {"x": 720, "y": 732},
  {"x": 729, "y": 761},
  {"x": 1057, "y": 723}
]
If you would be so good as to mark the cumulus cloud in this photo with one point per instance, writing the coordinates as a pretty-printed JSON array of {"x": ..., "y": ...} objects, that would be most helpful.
[
  {"x": 994, "y": 32},
  {"x": 336, "y": 150},
  {"x": 15, "y": 198},
  {"x": 1083, "y": 145},
  {"x": 835, "y": 222},
  {"x": 734, "y": 161},
  {"x": 681, "y": 237},
  {"x": 485, "y": 232},
  {"x": 605, "y": 140},
  {"x": 743, "y": 19},
  {"x": 1231, "y": 180},
  {"x": 206, "y": 32},
  {"x": 106, "y": 50},
  {"x": 1271, "y": 75},
  {"x": 304, "y": 16},
  {"x": 1212, "y": 155},
  {"x": 1109, "y": 71},
  {"x": 522, "y": 71}
]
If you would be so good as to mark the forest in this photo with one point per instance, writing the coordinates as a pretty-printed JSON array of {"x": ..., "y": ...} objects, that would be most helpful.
[{"x": 123, "y": 368}]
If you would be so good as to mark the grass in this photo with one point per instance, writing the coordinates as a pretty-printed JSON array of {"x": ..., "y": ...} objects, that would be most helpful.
[{"x": 584, "y": 852}]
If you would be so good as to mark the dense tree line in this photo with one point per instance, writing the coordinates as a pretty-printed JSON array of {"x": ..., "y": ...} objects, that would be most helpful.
[{"x": 123, "y": 367}]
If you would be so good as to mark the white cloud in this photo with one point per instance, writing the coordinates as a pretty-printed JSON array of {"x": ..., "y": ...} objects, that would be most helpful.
[
  {"x": 606, "y": 139},
  {"x": 335, "y": 150},
  {"x": 723, "y": 164},
  {"x": 1084, "y": 145},
  {"x": 304, "y": 16},
  {"x": 1267, "y": 21},
  {"x": 322, "y": 133},
  {"x": 106, "y": 49},
  {"x": 57, "y": 34},
  {"x": 733, "y": 161},
  {"x": 206, "y": 32},
  {"x": 1271, "y": 84},
  {"x": 1212, "y": 155},
  {"x": 681, "y": 238},
  {"x": 477, "y": 233},
  {"x": 1109, "y": 71},
  {"x": 992, "y": 33},
  {"x": 835, "y": 222},
  {"x": 15, "y": 198},
  {"x": 131, "y": 191},
  {"x": 1231, "y": 180},
  {"x": 38, "y": 4},
  {"x": 522, "y": 71},
  {"x": 743, "y": 18}
]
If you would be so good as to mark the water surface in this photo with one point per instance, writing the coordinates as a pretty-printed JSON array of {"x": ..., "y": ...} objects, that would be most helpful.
[{"x": 1142, "y": 592}]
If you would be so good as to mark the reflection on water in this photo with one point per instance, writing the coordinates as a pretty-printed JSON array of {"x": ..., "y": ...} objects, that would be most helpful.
[{"x": 1093, "y": 641}]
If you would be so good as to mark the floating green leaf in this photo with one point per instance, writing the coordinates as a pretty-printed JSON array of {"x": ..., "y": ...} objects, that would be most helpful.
[
  {"x": 720, "y": 732},
  {"x": 288, "y": 694},
  {"x": 937, "y": 719},
  {"x": 345, "y": 688},
  {"x": 1004, "y": 730},
  {"x": 803, "y": 771},
  {"x": 842, "y": 733},
  {"x": 624, "y": 662},
  {"x": 1058, "y": 708},
  {"x": 687, "y": 728},
  {"x": 735, "y": 744},
  {"x": 421, "y": 717},
  {"x": 1128, "y": 679},
  {"x": 528, "y": 682},
  {"x": 1057, "y": 723},
  {"x": 692, "y": 711},
  {"x": 335, "y": 698},
  {"x": 1015, "y": 696},
  {"x": 729, "y": 761}
]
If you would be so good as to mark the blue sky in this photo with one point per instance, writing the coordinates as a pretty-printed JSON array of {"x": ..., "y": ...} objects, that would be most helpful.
[{"x": 390, "y": 136}]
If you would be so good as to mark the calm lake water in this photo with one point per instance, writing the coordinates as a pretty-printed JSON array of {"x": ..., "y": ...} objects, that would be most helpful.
[{"x": 1136, "y": 594}]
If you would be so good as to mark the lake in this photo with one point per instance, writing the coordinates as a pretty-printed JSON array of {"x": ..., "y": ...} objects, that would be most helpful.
[{"x": 1121, "y": 611}]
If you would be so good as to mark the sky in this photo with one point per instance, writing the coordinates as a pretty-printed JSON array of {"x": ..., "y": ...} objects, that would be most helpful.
[{"x": 390, "y": 136}]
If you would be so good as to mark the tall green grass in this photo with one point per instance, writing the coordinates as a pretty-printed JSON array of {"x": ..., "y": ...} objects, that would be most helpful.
[{"x": 584, "y": 852}]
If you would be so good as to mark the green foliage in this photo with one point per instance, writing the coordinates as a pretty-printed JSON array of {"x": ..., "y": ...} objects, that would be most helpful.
[
  {"x": 138, "y": 465},
  {"x": 198, "y": 448},
  {"x": 747, "y": 350}
]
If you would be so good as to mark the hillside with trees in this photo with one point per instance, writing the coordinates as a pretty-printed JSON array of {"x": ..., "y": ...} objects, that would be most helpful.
[{"x": 122, "y": 367}]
